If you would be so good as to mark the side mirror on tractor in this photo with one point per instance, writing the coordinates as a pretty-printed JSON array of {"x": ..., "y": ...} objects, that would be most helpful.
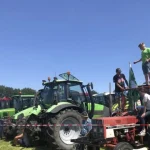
[{"x": 91, "y": 85}]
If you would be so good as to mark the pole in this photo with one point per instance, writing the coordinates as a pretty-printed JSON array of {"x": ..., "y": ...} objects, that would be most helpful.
[{"x": 110, "y": 100}]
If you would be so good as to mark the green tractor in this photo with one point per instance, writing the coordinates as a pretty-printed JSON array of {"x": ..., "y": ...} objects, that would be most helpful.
[
  {"x": 15, "y": 106},
  {"x": 60, "y": 119},
  {"x": 10, "y": 106},
  {"x": 5, "y": 107},
  {"x": 103, "y": 99}
]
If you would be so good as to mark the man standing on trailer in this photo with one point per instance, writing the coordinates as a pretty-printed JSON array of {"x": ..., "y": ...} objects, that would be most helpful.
[
  {"x": 119, "y": 79},
  {"x": 145, "y": 58}
]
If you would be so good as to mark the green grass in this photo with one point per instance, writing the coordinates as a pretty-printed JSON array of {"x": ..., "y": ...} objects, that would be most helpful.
[{"x": 4, "y": 145}]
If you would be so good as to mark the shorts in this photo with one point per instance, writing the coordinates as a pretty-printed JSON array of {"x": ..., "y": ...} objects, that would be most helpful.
[
  {"x": 119, "y": 94},
  {"x": 146, "y": 67}
]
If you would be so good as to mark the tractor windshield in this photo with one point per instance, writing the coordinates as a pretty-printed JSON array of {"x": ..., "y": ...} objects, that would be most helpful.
[
  {"x": 27, "y": 102},
  {"x": 54, "y": 93},
  {"x": 104, "y": 99},
  {"x": 76, "y": 92},
  {"x": 58, "y": 92},
  {"x": 48, "y": 94},
  {"x": 16, "y": 103},
  {"x": 4, "y": 104}
]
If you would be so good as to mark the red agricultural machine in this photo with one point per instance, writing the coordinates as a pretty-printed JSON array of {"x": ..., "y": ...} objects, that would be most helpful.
[{"x": 115, "y": 133}]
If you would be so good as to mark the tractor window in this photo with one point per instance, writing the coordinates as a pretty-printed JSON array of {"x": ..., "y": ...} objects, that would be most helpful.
[
  {"x": 100, "y": 99},
  {"x": 7, "y": 104},
  {"x": 61, "y": 92},
  {"x": 17, "y": 103},
  {"x": 76, "y": 93},
  {"x": 104, "y": 99},
  {"x": 2, "y": 104},
  {"x": 48, "y": 94},
  {"x": 27, "y": 102}
]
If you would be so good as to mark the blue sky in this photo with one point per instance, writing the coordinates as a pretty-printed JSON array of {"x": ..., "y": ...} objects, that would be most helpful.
[{"x": 88, "y": 38}]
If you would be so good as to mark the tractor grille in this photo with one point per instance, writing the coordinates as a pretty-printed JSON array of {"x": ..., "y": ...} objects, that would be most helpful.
[{"x": 97, "y": 129}]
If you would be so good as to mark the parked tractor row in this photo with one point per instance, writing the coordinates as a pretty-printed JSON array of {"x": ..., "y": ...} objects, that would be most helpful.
[
  {"x": 59, "y": 102},
  {"x": 53, "y": 117}
]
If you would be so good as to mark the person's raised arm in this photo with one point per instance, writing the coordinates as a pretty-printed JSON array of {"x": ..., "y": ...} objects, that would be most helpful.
[{"x": 137, "y": 61}]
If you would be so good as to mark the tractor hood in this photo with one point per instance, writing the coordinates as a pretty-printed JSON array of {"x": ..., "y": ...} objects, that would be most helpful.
[
  {"x": 61, "y": 105},
  {"x": 99, "y": 110},
  {"x": 7, "y": 112},
  {"x": 27, "y": 112}
]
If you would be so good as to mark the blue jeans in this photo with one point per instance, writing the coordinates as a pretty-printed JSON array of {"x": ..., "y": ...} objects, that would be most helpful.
[
  {"x": 140, "y": 112},
  {"x": 87, "y": 126},
  {"x": 119, "y": 94}
]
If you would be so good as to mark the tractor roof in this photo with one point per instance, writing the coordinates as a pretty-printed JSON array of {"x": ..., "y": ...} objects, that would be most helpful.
[
  {"x": 103, "y": 94},
  {"x": 59, "y": 81},
  {"x": 66, "y": 77},
  {"x": 23, "y": 96}
]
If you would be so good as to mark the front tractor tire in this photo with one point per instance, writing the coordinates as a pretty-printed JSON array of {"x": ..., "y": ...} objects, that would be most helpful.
[
  {"x": 66, "y": 126},
  {"x": 30, "y": 130}
]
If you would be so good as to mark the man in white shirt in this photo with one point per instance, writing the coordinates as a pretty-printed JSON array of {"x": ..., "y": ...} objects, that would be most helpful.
[{"x": 146, "y": 110}]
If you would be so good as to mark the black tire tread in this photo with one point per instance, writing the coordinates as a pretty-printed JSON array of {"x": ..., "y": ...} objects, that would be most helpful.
[
  {"x": 52, "y": 142},
  {"x": 122, "y": 145}
]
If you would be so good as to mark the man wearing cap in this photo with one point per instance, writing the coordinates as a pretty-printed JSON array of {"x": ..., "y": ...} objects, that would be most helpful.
[
  {"x": 145, "y": 58},
  {"x": 87, "y": 124},
  {"x": 119, "y": 79}
]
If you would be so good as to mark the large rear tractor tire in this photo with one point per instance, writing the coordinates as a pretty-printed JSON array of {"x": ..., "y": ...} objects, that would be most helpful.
[
  {"x": 123, "y": 146},
  {"x": 60, "y": 135}
]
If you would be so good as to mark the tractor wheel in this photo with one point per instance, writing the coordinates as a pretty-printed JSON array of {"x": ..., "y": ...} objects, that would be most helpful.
[
  {"x": 60, "y": 135},
  {"x": 20, "y": 127},
  {"x": 123, "y": 146},
  {"x": 30, "y": 130}
]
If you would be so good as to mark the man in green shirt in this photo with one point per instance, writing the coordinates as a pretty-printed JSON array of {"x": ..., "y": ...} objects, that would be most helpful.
[{"x": 145, "y": 58}]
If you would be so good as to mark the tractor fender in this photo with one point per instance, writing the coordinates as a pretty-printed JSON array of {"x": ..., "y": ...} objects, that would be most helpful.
[{"x": 58, "y": 108}]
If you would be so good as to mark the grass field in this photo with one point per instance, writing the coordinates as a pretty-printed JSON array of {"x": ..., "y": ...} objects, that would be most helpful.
[{"x": 7, "y": 146}]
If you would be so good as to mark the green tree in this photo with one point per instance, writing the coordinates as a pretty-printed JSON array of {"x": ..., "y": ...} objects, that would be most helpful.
[
  {"x": 28, "y": 91},
  {"x": 2, "y": 90},
  {"x": 8, "y": 91},
  {"x": 16, "y": 91}
]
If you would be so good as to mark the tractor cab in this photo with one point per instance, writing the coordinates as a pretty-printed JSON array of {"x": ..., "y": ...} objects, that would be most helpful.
[
  {"x": 21, "y": 102},
  {"x": 104, "y": 99},
  {"x": 15, "y": 104},
  {"x": 5, "y": 107},
  {"x": 69, "y": 90},
  {"x": 5, "y": 102}
]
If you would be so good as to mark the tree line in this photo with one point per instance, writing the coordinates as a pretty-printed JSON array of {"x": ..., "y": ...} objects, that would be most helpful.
[{"x": 9, "y": 91}]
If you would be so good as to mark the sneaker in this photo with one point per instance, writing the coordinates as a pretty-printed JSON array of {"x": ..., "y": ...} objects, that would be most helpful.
[{"x": 142, "y": 133}]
